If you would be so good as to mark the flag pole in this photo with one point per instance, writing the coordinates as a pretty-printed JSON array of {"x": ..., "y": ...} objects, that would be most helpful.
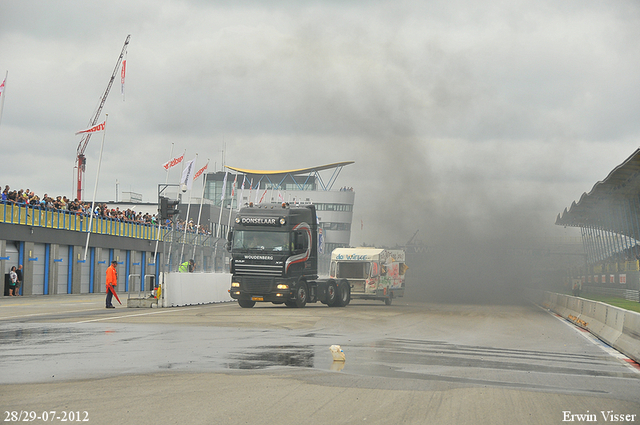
[
  {"x": 95, "y": 188},
  {"x": 174, "y": 231},
  {"x": 200, "y": 212},
  {"x": 166, "y": 182},
  {"x": 224, "y": 188},
  {"x": 186, "y": 223},
  {"x": 233, "y": 188},
  {"x": 231, "y": 207}
]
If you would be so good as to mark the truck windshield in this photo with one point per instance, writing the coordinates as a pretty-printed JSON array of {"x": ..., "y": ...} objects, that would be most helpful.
[
  {"x": 260, "y": 241},
  {"x": 353, "y": 270}
]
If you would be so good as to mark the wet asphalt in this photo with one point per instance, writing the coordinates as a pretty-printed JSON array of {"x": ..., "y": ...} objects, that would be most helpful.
[{"x": 409, "y": 362}]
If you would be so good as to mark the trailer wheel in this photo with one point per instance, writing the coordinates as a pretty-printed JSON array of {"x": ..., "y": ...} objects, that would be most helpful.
[
  {"x": 246, "y": 303},
  {"x": 344, "y": 293},
  {"x": 301, "y": 294},
  {"x": 332, "y": 294}
]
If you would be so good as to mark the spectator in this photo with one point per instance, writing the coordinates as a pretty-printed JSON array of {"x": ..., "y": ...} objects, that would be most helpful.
[
  {"x": 13, "y": 283},
  {"x": 20, "y": 279}
]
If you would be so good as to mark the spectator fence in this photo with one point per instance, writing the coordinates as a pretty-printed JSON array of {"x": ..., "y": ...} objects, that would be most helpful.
[{"x": 12, "y": 213}]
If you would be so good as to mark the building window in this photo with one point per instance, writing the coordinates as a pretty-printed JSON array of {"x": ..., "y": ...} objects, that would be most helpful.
[
  {"x": 336, "y": 226},
  {"x": 334, "y": 207}
]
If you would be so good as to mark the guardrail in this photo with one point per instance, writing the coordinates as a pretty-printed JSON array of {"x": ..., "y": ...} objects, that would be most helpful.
[
  {"x": 617, "y": 327},
  {"x": 627, "y": 294}
]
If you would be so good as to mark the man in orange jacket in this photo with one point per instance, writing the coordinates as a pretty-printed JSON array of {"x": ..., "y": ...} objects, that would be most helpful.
[{"x": 112, "y": 280}]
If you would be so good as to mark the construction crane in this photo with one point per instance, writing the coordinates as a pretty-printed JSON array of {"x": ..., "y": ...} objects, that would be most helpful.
[{"x": 81, "y": 160}]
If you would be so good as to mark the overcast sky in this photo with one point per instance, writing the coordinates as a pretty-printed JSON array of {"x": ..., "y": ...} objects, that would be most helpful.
[{"x": 471, "y": 113}]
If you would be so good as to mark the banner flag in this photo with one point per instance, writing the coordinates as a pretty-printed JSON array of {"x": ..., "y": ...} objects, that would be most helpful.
[
  {"x": 2, "y": 95},
  {"x": 200, "y": 171},
  {"x": 122, "y": 74},
  {"x": 264, "y": 193},
  {"x": 172, "y": 163},
  {"x": 224, "y": 186},
  {"x": 233, "y": 188},
  {"x": 187, "y": 174},
  {"x": 95, "y": 129}
]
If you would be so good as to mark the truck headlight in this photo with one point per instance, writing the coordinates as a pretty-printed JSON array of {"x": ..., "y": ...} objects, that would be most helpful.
[
  {"x": 235, "y": 284},
  {"x": 282, "y": 286}
]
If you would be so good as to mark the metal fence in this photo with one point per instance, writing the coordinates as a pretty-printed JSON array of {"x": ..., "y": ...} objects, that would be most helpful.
[{"x": 208, "y": 251}]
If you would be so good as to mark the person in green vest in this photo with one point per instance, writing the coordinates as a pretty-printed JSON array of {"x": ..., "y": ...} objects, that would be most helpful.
[{"x": 187, "y": 267}]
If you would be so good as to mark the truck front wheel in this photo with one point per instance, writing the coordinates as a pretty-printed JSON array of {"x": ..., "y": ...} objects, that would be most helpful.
[
  {"x": 301, "y": 294},
  {"x": 246, "y": 303},
  {"x": 332, "y": 293}
]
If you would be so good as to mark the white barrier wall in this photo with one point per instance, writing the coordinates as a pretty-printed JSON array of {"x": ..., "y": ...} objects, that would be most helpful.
[
  {"x": 617, "y": 327},
  {"x": 179, "y": 289}
]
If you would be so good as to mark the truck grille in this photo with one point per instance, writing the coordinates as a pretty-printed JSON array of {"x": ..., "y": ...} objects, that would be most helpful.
[
  {"x": 257, "y": 285},
  {"x": 242, "y": 269}
]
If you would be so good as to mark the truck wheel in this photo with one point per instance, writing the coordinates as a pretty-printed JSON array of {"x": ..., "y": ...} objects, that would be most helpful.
[
  {"x": 246, "y": 303},
  {"x": 301, "y": 294},
  {"x": 387, "y": 301},
  {"x": 344, "y": 293},
  {"x": 332, "y": 293}
]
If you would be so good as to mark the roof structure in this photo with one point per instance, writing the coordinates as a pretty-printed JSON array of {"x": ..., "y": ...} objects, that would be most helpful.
[
  {"x": 310, "y": 171},
  {"x": 620, "y": 187},
  {"x": 609, "y": 215}
]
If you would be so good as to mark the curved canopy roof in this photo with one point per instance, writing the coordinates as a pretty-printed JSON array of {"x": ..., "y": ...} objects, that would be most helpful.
[
  {"x": 599, "y": 207},
  {"x": 292, "y": 172}
]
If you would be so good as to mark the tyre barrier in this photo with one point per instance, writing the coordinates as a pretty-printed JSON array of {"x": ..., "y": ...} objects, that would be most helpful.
[{"x": 615, "y": 326}]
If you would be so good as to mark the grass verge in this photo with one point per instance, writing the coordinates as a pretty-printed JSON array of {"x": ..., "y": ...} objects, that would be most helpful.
[{"x": 614, "y": 301}]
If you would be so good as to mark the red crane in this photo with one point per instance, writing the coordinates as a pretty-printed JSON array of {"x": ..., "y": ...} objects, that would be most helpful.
[{"x": 81, "y": 160}]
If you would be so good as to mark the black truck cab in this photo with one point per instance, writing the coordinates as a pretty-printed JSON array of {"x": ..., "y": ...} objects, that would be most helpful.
[{"x": 274, "y": 256}]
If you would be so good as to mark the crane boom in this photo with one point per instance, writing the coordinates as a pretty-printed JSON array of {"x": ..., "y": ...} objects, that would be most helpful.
[{"x": 81, "y": 159}]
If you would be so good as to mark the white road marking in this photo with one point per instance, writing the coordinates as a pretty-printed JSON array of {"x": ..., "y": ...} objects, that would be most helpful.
[
  {"x": 131, "y": 315},
  {"x": 624, "y": 359},
  {"x": 48, "y": 313}
]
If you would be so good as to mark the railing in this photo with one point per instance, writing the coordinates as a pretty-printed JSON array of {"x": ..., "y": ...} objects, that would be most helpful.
[
  {"x": 621, "y": 267},
  {"x": 189, "y": 238},
  {"x": 35, "y": 216},
  {"x": 629, "y": 266},
  {"x": 627, "y": 294}
]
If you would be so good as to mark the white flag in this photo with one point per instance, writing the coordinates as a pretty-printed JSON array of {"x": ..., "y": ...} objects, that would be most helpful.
[
  {"x": 224, "y": 185},
  {"x": 187, "y": 174},
  {"x": 242, "y": 190},
  {"x": 173, "y": 162}
]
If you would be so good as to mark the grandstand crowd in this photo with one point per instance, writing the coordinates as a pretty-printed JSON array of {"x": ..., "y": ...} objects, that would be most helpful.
[{"x": 63, "y": 204}]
